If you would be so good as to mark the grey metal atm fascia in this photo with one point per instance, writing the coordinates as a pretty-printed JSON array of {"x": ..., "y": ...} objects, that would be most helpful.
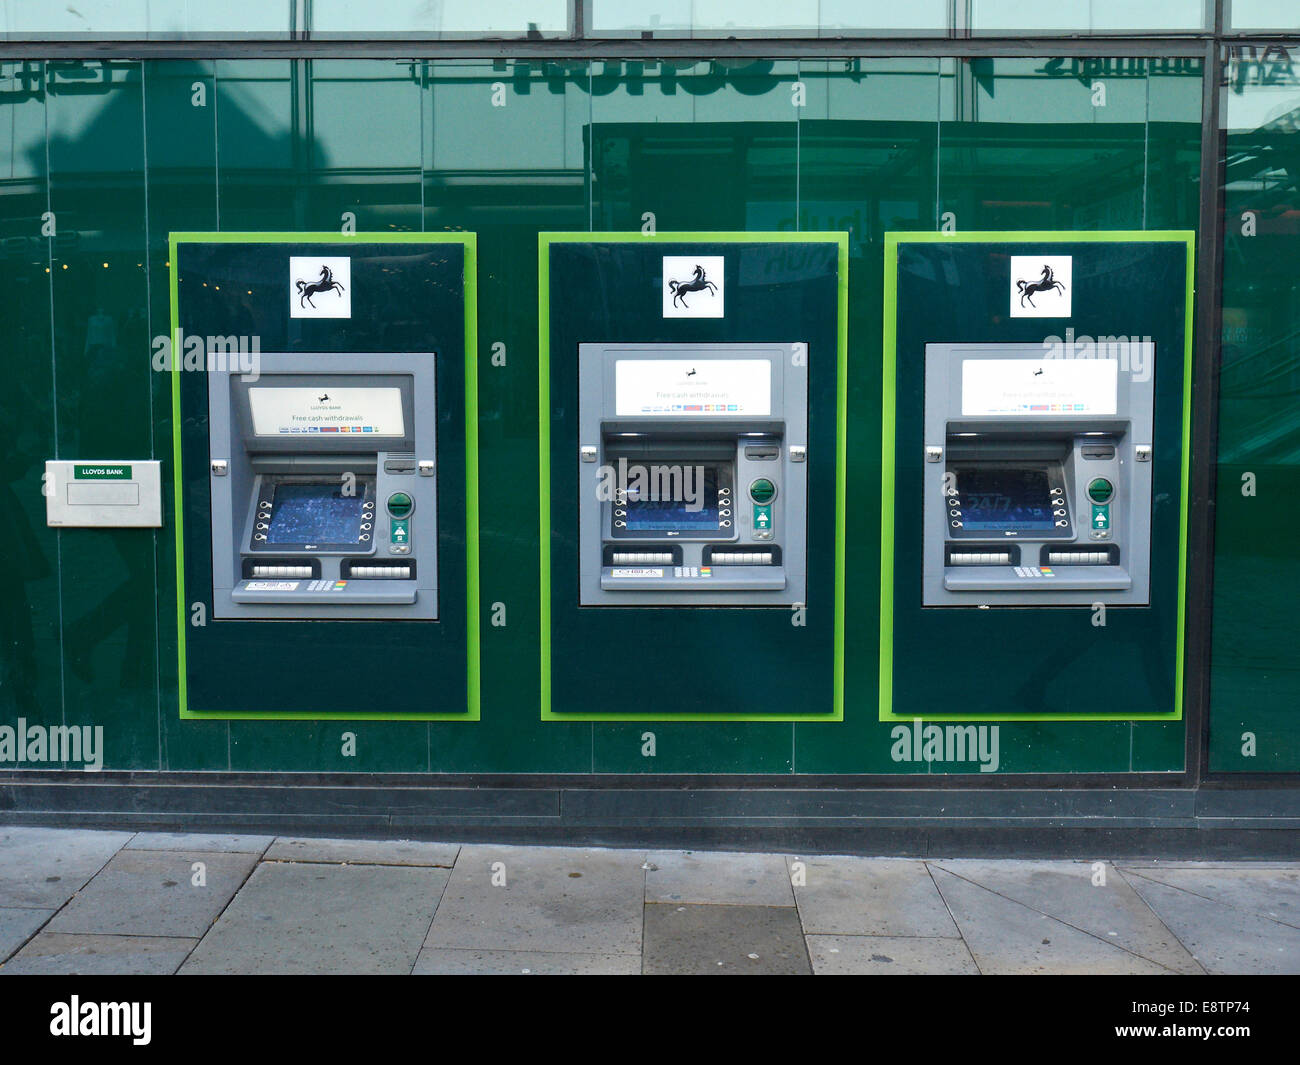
[
  {"x": 1131, "y": 428},
  {"x": 236, "y": 454},
  {"x": 667, "y": 436}
]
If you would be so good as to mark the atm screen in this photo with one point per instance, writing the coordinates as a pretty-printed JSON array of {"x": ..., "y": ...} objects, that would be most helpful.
[
  {"x": 1005, "y": 499},
  {"x": 677, "y": 498},
  {"x": 315, "y": 514}
]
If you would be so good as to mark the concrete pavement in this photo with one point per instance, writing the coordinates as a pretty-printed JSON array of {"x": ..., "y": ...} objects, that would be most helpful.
[{"x": 74, "y": 901}]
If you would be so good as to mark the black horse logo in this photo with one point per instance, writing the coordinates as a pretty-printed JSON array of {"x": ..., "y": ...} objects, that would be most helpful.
[
  {"x": 324, "y": 398},
  {"x": 697, "y": 283},
  {"x": 1046, "y": 283},
  {"x": 325, "y": 284}
]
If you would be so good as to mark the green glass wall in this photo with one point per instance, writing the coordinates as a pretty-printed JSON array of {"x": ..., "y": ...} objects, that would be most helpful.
[
  {"x": 1255, "y": 678},
  {"x": 99, "y": 162}
]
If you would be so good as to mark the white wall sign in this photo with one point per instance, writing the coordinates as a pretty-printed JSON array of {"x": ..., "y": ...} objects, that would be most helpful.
[
  {"x": 1039, "y": 387},
  {"x": 707, "y": 388},
  {"x": 316, "y": 411},
  {"x": 693, "y": 286},
  {"x": 1042, "y": 286},
  {"x": 320, "y": 287}
]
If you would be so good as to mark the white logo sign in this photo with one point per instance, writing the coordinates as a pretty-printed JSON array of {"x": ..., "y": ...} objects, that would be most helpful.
[
  {"x": 693, "y": 286},
  {"x": 320, "y": 287},
  {"x": 1041, "y": 286}
]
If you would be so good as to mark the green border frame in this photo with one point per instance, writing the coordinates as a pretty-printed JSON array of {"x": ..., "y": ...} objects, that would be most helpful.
[
  {"x": 544, "y": 242},
  {"x": 889, "y": 353},
  {"x": 473, "y": 640}
]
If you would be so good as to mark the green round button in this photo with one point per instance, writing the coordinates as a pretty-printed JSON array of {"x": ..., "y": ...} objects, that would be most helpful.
[
  {"x": 400, "y": 504},
  {"x": 1100, "y": 490},
  {"x": 762, "y": 490}
]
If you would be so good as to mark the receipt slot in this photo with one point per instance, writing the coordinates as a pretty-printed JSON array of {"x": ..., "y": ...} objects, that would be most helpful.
[
  {"x": 692, "y": 395},
  {"x": 325, "y": 453},
  {"x": 1034, "y": 458},
  {"x": 1037, "y": 475},
  {"x": 692, "y": 474}
]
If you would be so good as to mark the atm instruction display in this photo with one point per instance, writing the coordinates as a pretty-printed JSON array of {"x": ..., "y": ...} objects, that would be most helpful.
[
  {"x": 1034, "y": 387},
  {"x": 281, "y": 411},
  {"x": 700, "y": 388}
]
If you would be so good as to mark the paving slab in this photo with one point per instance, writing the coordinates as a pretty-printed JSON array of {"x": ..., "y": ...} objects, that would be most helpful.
[
  {"x": 718, "y": 877},
  {"x": 364, "y": 852},
  {"x": 17, "y": 924},
  {"x": 869, "y": 897},
  {"x": 153, "y": 893},
  {"x": 562, "y": 899},
  {"x": 198, "y": 841},
  {"x": 1222, "y": 938},
  {"x": 453, "y": 961},
  {"x": 60, "y": 953},
  {"x": 1065, "y": 890},
  {"x": 1007, "y": 937},
  {"x": 302, "y": 919},
  {"x": 890, "y": 956},
  {"x": 1268, "y": 892},
  {"x": 712, "y": 939},
  {"x": 44, "y": 867}
]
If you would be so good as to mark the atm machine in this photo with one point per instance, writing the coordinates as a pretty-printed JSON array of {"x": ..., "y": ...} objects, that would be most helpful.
[
  {"x": 692, "y": 474},
  {"x": 324, "y": 488},
  {"x": 1037, "y": 476}
]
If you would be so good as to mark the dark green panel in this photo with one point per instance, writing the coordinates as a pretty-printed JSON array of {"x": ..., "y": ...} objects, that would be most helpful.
[
  {"x": 1026, "y": 661},
  {"x": 1255, "y": 677},
  {"x": 692, "y": 747},
  {"x": 784, "y": 290},
  {"x": 417, "y": 303},
  {"x": 330, "y": 746}
]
